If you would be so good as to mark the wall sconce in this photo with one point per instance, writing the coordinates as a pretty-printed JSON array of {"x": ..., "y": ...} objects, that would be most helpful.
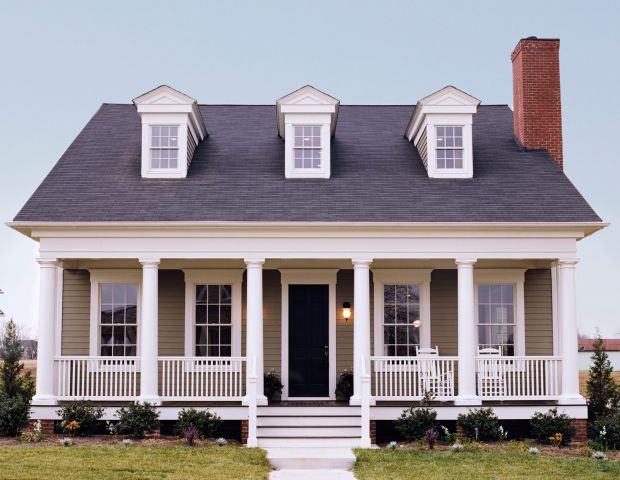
[{"x": 346, "y": 311}]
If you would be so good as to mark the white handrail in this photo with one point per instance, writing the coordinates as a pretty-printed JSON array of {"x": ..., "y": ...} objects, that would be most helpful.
[
  {"x": 519, "y": 378},
  {"x": 408, "y": 378},
  {"x": 201, "y": 378}
]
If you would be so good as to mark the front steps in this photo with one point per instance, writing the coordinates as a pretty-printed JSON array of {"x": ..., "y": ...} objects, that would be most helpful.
[{"x": 302, "y": 427}]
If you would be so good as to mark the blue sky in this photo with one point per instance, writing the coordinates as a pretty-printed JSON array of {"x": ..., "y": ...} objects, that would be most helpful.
[{"x": 62, "y": 59}]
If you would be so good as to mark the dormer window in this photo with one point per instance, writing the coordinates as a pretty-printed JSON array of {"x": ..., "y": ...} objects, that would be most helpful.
[
  {"x": 441, "y": 129},
  {"x": 449, "y": 147},
  {"x": 307, "y": 146},
  {"x": 306, "y": 122},
  {"x": 172, "y": 128},
  {"x": 164, "y": 146}
]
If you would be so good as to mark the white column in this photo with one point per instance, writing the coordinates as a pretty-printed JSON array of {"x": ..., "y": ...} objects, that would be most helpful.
[
  {"x": 466, "y": 334},
  {"x": 568, "y": 319},
  {"x": 47, "y": 320},
  {"x": 254, "y": 333},
  {"x": 361, "y": 324},
  {"x": 149, "y": 332}
]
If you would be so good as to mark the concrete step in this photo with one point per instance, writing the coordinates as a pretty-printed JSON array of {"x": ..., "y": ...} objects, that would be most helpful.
[
  {"x": 311, "y": 475},
  {"x": 311, "y": 458},
  {"x": 308, "y": 431},
  {"x": 299, "y": 421},
  {"x": 307, "y": 442},
  {"x": 308, "y": 411}
]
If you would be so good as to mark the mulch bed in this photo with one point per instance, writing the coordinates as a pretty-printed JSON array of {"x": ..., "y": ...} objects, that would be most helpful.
[{"x": 150, "y": 440}]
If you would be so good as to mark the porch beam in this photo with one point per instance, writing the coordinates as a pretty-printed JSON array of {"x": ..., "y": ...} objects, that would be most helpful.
[
  {"x": 567, "y": 314},
  {"x": 466, "y": 334},
  {"x": 149, "y": 328},
  {"x": 47, "y": 319},
  {"x": 361, "y": 324}
]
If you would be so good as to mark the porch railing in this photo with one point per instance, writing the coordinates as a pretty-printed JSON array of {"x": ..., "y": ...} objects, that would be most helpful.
[
  {"x": 202, "y": 378},
  {"x": 97, "y": 378},
  {"x": 408, "y": 378},
  {"x": 519, "y": 378}
]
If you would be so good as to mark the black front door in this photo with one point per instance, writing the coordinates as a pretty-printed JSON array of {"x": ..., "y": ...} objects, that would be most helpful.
[{"x": 308, "y": 343}]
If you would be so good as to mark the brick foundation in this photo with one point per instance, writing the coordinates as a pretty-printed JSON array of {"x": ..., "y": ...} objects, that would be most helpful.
[
  {"x": 47, "y": 426},
  {"x": 582, "y": 430},
  {"x": 244, "y": 432},
  {"x": 373, "y": 432}
]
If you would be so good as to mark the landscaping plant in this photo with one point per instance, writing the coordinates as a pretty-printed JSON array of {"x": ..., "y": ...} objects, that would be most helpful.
[
  {"x": 344, "y": 385},
  {"x": 137, "y": 419},
  {"x": 79, "y": 417},
  {"x": 430, "y": 437},
  {"x": 414, "y": 422},
  {"x": 16, "y": 390},
  {"x": 602, "y": 390},
  {"x": 191, "y": 434},
  {"x": 273, "y": 385},
  {"x": 606, "y": 431},
  {"x": 479, "y": 424},
  {"x": 546, "y": 426},
  {"x": 206, "y": 422}
]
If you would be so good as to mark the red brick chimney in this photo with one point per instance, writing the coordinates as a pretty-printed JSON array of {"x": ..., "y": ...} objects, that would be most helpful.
[{"x": 536, "y": 92}]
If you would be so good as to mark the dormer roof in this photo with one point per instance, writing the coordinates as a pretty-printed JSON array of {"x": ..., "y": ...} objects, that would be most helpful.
[{"x": 307, "y": 99}]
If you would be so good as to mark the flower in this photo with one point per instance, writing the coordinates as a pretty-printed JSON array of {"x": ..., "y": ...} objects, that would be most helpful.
[
  {"x": 603, "y": 432},
  {"x": 392, "y": 445},
  {"x": 598, "y": 455},
  {"x": 445, "y": 430},
  {"x": 533, "y": 451},
  {"x": 458, "y": 447}
]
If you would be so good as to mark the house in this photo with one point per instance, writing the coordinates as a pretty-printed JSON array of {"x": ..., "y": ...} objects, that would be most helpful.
[
  {"x": 586, "y": 349},
  {"x": 187, "y": 249}
]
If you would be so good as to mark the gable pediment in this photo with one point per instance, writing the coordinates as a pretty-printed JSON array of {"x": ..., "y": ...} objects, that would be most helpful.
[{"x": 164, "y": 95}]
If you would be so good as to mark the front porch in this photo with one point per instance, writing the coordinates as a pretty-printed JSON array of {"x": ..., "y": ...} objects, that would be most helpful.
[{"x": 440, "y": 310}]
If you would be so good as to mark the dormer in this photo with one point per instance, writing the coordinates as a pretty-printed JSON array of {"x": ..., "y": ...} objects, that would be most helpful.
[
  {"x": 306, "y": 122},
  {"x": 172, "y": 128},
  {"x": 441, "y": 129}
]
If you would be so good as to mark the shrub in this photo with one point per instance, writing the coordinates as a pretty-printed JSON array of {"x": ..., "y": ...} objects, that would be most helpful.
[
  {"x": 545, "y": 426},
  {"x": 12, "y": 383},
  {"x": 138, "y": 418},
  {"x": 190, "y": 434},
  {"x": 602, "y": 391},
  {"x": 205, "y": 421},
  {"x": 415, "y": 421},
  {"x": 430, "y": 437},
  {"x": 606, "y": 431},
  {"x": 344, "y": 386},
  {"x": 14, "y": 413},
  {"x": 35, "y": 435},
  {"x": 273, "y": 385},
  {"x": 80, "y": 412},
  {"x": 479, "y": 424}
]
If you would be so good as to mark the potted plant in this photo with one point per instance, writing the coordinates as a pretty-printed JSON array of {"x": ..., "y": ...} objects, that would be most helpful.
[
  {"x": 273, "y": 386},
  {"x": 344, "y": 386}
]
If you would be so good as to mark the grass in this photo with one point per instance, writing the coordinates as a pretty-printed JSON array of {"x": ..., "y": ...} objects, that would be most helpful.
[
  {"x": 411, "y": 464},
  {"x": 118, "y": 462}
]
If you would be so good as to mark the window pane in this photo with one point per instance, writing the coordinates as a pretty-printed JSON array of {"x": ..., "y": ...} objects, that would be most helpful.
[
  {"x": 225, "y": 335},
  {"x": 201, "y": 335},
  {"x": 388, "y": 294},
  {"x": 214, "y": 294},
  {"x": 483, "y": 314},
  {"x": 414, "y": 313},
  {"x": 201, "y": 314},
  {"x": 225, "y": 294},
  {"x": 401, "y": 314},
  {"x": 201, "y": 350},
  {"x": 401, "y": 294},
  {"x": 106, "y": 314},
  {"x": 106, "y": 336},
  {"x": 389, "y": 314},
  {"x": 389, "y": 335},
  {"x": 225, "y": 314},
  {"x": 213, "y": 350},
  {"x": 483, "y": 293},
  {"x": 131, "y": 335},
  {"x": 414, "y": 335},
  {"x": 201, "y": 294},
  {"x": 213, "y": 335},
  {"x": 106, "y": 293},
  {"x": 213, "y": 314},
  {"x": 225, "y": 351},
  {"x": 131, "y": 351}
]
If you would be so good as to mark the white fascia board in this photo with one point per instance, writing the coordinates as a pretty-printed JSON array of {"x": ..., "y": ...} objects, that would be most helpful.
[
  {"x": 309, "y": 109},
  {"x": 164, "y": 108}
]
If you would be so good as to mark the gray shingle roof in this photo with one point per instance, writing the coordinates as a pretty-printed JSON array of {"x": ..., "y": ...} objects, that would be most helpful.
[{"x": 237, "y": 174}]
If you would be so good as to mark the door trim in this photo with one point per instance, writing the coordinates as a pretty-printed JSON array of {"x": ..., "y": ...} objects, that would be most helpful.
[{"x": 309, "y": 276}]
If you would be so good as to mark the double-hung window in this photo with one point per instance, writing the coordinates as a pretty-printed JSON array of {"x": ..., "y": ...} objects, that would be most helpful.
[
  {"x": 496, "y": 317},
  {"x": 118, "y": 321},
  {"x": 164, "y": 146},
  {"x": 449, "y": 147},
  {"x": 401, "y": 319},
  {"x": 213, "y": 321},
  {"x": 307, "y": 147}
]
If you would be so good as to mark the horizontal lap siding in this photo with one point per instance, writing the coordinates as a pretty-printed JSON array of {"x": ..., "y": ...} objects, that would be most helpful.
[
  {"x": 171, "y": 313},
  {"x": 75, "y": 312},
  {"x": 344, "y": 329},
  {"x": 444, "y": 311},
  {"x": 538, "y": 312}
]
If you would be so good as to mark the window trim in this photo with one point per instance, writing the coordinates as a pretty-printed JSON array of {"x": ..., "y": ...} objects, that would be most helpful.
[
  {"x": 299, "y": 119},
  {"x": 112, "y": 276},
  {"x": 401, "y": 276},
  {"x": 193, "y": 277},
  {"x": 515, "y": 277},
  {"x": 165, "y": 120}
]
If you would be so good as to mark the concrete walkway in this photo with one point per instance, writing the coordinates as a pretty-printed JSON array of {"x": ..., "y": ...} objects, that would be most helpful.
[{"x": 311, "y": 463}]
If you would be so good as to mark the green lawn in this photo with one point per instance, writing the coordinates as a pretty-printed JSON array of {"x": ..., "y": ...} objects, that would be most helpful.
[
  {"x": 135, "y": 462},
  {"x": 409, "y": 465}
]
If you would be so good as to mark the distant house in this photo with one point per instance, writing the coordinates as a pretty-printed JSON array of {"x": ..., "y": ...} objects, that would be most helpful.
[
  {"x": 30, "y": 349},
  {"x": 612, "y": 345}
]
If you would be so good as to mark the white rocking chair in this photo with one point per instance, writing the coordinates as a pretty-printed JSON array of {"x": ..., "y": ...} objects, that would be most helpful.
[
  {"x": 431, "y": 378},
  {"x": 491, "y": 377}
]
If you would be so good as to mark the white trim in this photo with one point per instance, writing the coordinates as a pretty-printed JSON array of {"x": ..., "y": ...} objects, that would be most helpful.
[
  {"x": 59, "y": 294},
  {"x": 554, "y": 310},
  {"x": 308, "y": 277},
  {"x": 119, "y": 276},
  {"x": 193, "y": 277},
  {"x": 515, "y": 277},
  {"x": 383, "y": 276}
]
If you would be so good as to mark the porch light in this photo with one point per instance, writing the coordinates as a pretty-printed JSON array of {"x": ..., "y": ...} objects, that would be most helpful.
[
  {"x": 346, "y": 311},
  {"x": 417, "y": 323}
]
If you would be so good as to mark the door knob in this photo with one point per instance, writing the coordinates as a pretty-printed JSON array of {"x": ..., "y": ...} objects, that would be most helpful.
[{"x": 326, "y": 351}]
